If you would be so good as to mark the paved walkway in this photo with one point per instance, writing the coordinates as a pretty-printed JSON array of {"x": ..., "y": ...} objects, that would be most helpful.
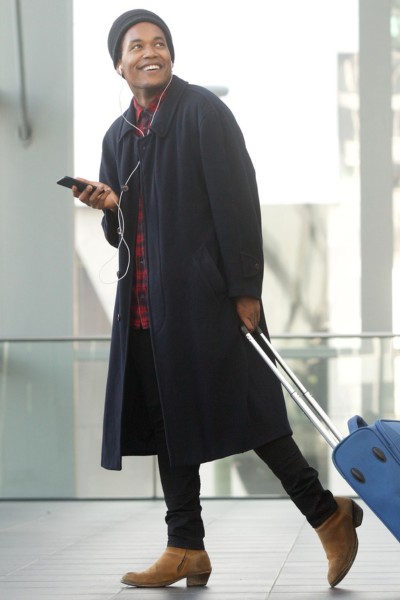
[{"x": 260, "y": 550}]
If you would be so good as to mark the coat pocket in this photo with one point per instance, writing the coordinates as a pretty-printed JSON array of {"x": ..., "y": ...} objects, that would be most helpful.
[{"x": 209, "y": 270}]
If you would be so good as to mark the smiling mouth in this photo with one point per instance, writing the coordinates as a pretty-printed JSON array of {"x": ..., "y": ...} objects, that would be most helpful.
[{"x": 151, "y": 68}]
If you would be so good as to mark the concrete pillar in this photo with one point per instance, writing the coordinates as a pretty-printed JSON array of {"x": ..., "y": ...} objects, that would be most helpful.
[
  {"x": 36, "y": 249},
  {"x": 376, "y": 165},
  {"x": 36, "y": 218}
]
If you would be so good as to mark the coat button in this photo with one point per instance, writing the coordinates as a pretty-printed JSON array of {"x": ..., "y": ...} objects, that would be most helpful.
[
  {"x": 118, "y": 274},
  {"x": 118, "y": 317},
  {"x": 257, "y": 266},
  {"x": 125, "y": 188}
]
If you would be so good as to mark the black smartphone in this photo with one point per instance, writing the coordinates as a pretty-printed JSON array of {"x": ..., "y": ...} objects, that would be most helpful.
[{"x": 70, "y": 181}]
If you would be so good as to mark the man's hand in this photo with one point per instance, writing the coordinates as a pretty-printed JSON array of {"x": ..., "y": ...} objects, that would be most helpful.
[
  {"x": 248, "y": 310},
  {"x": 101, "y": 198}
]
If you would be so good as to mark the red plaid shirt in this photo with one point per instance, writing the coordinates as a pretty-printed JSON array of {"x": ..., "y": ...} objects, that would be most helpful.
[{"x": 139, "y": 301}]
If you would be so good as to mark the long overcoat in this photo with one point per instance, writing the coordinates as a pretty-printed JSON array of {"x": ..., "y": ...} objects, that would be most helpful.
[{"x": 203, "y": 249}]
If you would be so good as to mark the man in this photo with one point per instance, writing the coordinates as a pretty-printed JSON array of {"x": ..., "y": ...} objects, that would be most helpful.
[{"x": 180, "y": 201}]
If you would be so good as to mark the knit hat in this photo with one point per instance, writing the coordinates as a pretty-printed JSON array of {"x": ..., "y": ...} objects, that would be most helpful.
[{"x": 126, "y": 21}]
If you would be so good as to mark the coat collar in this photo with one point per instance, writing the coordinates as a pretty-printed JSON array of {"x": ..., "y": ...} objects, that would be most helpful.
[{"x": 163, "y": 119}]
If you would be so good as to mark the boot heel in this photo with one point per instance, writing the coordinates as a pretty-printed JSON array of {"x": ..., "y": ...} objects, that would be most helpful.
[
  {"x": 358, "y": 515},
  {"x": 197, "y": 580}
]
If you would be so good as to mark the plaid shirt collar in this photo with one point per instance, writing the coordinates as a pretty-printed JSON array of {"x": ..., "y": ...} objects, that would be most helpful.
[{"x": 144, "y": 115}]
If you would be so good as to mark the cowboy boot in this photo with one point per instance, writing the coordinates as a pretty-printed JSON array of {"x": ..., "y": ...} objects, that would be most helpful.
[
  {"x": 339, "y": 538},
  {"x": 174, "y": 564}
]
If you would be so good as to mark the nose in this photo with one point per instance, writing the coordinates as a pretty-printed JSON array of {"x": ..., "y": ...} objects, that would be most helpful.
[{"x": 149, "y": 51}]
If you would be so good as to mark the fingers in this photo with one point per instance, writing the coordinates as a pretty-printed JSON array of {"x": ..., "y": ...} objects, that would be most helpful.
[
  {"x": 248, "y": 310},
  {"x": 78, "y": 192},
  {"x": 251, "y": 322},
  {"x": 97, "y": 197},
  {"x": 93, "y": 196}
]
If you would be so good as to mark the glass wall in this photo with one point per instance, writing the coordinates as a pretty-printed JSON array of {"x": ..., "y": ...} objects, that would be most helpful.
[{"x": 51, "y": 409}]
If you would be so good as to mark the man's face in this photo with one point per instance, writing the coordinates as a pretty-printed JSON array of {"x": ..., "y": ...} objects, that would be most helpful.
[{"x": 145, "y": 59}]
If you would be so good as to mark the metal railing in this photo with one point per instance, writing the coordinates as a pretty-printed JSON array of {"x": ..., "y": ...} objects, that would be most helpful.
[{"x": 51, "y": 411}]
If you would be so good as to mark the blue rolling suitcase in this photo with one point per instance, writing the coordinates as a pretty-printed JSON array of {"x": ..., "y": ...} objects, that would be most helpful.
[{"x": 368, "y": 458}]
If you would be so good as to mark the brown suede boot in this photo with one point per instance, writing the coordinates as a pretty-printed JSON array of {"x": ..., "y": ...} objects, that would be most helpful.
[
  {"x": 174, "y": 564},
  {"x": 339, "y": 538}
]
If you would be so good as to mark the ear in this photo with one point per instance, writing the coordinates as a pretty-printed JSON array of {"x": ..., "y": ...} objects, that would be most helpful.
[{"x": 119, "y": 70}]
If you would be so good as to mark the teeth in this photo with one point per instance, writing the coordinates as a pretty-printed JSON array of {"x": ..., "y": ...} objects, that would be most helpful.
[{"x": 151, "y": 68}]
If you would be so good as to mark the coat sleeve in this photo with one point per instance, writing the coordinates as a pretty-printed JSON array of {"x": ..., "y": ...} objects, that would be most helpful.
[
  {"x": 109, "y": 176},
  {"x": 233, "y": 196}
]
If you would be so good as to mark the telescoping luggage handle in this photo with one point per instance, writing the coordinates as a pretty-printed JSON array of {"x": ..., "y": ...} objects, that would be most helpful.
[{"x": 306, "y": 402}]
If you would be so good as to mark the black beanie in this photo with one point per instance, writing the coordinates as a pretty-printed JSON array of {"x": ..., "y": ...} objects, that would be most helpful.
[{"x": 126, "y": 21}]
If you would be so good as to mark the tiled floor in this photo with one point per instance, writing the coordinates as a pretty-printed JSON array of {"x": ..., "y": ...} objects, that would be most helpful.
[{"x": 260, "y": 549}]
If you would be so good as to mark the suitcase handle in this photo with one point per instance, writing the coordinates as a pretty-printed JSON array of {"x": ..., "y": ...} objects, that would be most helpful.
[
  {"x": 307, "y": 403},
  {"x": 355, "y": 423}
]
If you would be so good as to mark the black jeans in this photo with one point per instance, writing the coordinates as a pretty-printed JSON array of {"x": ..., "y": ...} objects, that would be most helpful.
[{"x": 181, "y": 485}]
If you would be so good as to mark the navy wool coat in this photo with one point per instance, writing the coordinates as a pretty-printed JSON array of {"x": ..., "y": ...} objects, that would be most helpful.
[{"x": 203, "y": 249}]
